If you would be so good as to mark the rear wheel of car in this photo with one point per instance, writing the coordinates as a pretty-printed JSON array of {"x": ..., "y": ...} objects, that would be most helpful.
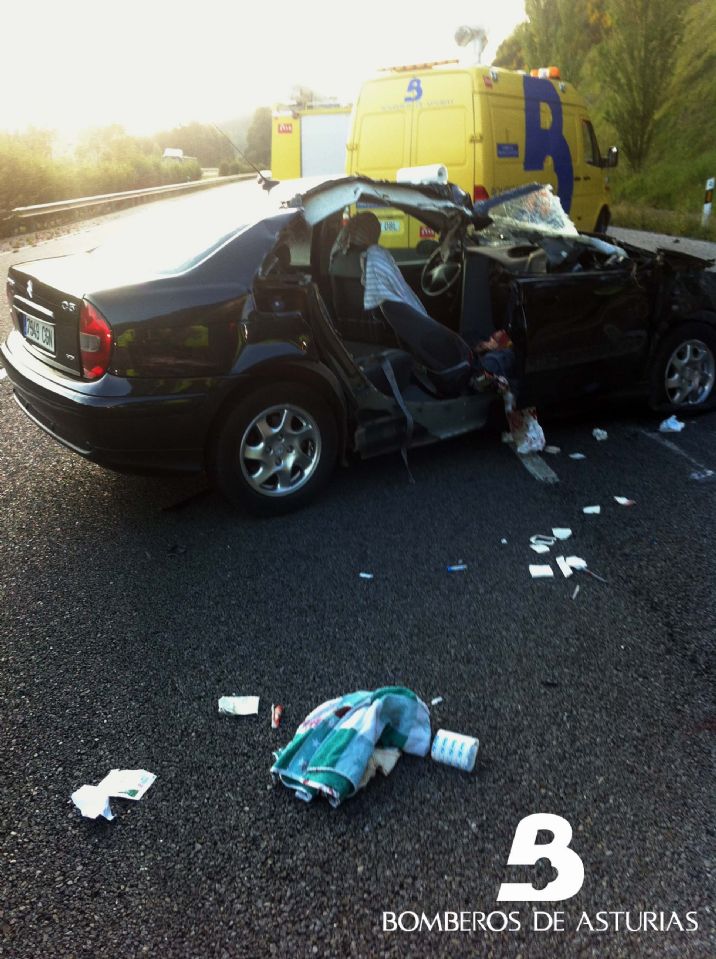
[
  {"x": 684, "y": 370},
  {"x": 275, "y": 449}
]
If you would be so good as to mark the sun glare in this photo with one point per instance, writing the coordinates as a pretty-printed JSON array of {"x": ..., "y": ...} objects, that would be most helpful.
[{"x": 152, "y": 65}]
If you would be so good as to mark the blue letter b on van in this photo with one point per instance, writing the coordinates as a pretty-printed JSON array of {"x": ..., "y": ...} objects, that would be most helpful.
[{"x": 541, "y": 143}]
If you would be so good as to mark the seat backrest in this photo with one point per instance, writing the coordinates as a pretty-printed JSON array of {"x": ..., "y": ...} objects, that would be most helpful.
[{"x": 346, "y": 286}]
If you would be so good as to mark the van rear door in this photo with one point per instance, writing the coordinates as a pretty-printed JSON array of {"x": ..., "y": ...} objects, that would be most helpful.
[
  {"x": 443, "y": 128},
  {"x": 380, "y": 144}
]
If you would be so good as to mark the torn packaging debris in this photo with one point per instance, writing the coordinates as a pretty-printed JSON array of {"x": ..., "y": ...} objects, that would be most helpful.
[
  {"x": 671, "y": 425},
  {"x": 539, "y": 547},
  {"x": 567, "y": 570},
  {"x": 93, "y": 801},
  {"x": 600, "y": 435},
  {"x": 561, "y": 532},
  {"x": 332, "y": 747},
  {"x": 623, "y": 501},
  {"x": 592, "y": 510},
  {"x": 539, "y": 539},
  {"x": 239, "y": 705},
  {"x": 541, "y": 572}
]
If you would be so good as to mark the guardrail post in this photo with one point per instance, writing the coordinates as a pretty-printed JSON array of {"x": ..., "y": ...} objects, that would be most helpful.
[{"x": 708, "y": 200}]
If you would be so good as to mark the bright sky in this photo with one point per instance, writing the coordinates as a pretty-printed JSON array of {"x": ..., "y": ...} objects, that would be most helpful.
[{"x": 152, "y": 64}]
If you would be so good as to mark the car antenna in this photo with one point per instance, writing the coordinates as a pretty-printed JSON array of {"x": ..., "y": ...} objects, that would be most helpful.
[{"x": 266, "y": 182}]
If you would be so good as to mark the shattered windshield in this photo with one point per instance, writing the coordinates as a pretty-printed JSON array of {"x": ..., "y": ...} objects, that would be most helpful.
[{"x": 520, "y": 212}]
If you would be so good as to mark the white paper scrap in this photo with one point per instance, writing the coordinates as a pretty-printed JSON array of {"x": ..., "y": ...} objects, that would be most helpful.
[
  {"x": 600, "y": 435},
  {"x": 366, "y": 575},
  {"x": 623, "y": 501},
  {"x": 539, "y": 547},
  {"x": 436, "y": 701},
  {"x": 576, "y": 590},
  {"x": 552, "y": 449},
  {"x": 539, "y": 539},
  {"x": 564, "y": 566},
  {"x": 576, "y": 562},
  {"x": 126, "y": 783},
  {"x": 239, "y": 705},
  {"x": 503, "y": 541},
  {"x": 577, "y": 456},
  {"x": 671, "y": 425},
  {"x": 561, "y": 532},
  {"x": 92, "y": 802},
  {"x": 3, "y": 373},
  {"x": 592, "y": 510},
  {"x": 540, "y": 572}
]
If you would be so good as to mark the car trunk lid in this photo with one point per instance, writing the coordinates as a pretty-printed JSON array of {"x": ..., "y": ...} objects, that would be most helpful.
[{"x": 48, "y": 319}]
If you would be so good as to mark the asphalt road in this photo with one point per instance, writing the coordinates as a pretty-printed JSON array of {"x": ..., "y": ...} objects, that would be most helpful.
[{"x": 129, "y": 605}]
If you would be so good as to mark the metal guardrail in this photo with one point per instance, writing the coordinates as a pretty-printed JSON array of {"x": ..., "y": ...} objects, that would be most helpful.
[{"x": 63, "y": 206}]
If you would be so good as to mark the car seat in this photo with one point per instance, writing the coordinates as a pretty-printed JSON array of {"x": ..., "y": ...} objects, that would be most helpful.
[{"x": 445, "y": 356}]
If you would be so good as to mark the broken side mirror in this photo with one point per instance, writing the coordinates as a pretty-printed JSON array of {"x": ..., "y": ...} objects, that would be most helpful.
[{"x": 612, "y": 157}]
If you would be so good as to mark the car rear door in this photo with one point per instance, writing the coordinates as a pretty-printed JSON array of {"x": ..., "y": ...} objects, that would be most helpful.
[{"x": 584, "y": 332}]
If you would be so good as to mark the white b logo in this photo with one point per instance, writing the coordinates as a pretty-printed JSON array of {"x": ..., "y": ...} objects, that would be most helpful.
[{"x": 526, "y": 852}]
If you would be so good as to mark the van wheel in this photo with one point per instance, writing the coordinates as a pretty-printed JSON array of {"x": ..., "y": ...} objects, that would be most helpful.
[
  {"x": 603, "y": 220},
  {"x": 684, "y": 370},
  {"x": 275, "y": 449}
]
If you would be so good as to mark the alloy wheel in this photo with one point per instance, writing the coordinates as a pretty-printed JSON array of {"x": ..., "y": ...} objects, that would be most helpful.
[
  {"x": 280, "y": 450},
  {"x": 689, "y": 374}
]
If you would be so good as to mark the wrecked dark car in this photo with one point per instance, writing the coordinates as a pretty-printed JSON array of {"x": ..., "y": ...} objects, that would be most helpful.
[{"x": 236, "y": 340}]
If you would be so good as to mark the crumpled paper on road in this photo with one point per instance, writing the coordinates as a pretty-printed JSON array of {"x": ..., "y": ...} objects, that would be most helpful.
[{"x": 93, "y": 801}]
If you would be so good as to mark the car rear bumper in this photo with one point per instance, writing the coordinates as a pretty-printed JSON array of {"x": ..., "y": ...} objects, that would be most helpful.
[{"x": 117, "y": 422}]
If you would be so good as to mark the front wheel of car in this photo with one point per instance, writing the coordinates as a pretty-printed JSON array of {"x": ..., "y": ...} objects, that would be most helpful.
[
  {"x": 275, "y": 449},
  {"x": 684, "y": 370}
]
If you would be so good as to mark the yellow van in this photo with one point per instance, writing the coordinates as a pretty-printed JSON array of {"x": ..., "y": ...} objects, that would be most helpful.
[{"x": 493, "y": 129}]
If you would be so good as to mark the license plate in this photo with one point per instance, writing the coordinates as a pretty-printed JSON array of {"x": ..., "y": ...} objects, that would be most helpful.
[
  {"x": 40, "y": 332},
  {"x": 391, "y": 226}
]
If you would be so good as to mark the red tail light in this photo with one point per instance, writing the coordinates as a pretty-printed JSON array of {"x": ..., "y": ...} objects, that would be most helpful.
[
  {"x": 95, "y": 342},
  {"x": 479, "y": 193}
]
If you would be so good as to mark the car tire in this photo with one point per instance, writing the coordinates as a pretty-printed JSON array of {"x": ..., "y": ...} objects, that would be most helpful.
[
  {"x": 275, "y": 449},
  {"x": 603, "y": 220},
  {"x": 683, "y": 375}
]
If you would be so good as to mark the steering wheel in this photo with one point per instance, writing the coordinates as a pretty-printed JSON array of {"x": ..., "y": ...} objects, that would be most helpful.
[{"x": 437, "y": 277}]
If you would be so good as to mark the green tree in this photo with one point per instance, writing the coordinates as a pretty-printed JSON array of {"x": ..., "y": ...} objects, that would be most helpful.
[
  {"x": 511, "y": 53},
  {"x": 688, "y": 120},
  {"x": 557, "y": 32},
  {"x": 258, "y": 138},
  {"x": 636, "y": 62}
]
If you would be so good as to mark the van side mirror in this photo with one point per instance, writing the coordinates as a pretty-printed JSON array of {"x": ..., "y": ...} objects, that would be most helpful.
[{"x": 612, "y": 157}]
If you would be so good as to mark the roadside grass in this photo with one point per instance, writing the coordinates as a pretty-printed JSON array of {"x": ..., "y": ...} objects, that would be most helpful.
[{"x": 673, "y": 222}]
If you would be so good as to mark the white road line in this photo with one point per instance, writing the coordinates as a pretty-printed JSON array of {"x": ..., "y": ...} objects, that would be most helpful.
[
  {"x": 535, "y": 465},
  {"x": 701, "y": 473}
]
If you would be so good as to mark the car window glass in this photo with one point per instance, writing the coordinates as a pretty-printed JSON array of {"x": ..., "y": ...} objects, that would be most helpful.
[
  {"x": 178, "y": 235},
  {"x": 590, "y": 145}
]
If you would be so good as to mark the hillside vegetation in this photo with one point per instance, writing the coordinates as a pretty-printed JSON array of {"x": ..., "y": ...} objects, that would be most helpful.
[
  {"x": 34, "y": 170},
  {"x": 648, "y": 70}
]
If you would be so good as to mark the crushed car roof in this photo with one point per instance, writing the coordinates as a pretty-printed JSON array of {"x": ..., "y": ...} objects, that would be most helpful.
[{"x": 435, "y": 204}]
